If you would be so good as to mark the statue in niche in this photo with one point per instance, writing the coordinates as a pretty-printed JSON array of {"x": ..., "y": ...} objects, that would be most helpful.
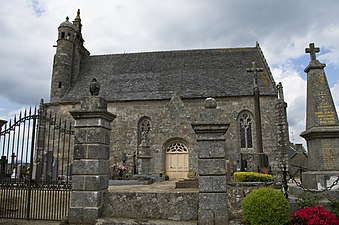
[{"x": 144, "y": 138}]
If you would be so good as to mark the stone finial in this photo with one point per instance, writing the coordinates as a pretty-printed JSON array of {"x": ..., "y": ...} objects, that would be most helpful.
[
  {"x": 94, "y": 87},
  {"x": 78, "y": 14},
  {"x": 280, "y": 91},
  {"x": 312, "y": 50},
  {"x": 210, "y": 103}
]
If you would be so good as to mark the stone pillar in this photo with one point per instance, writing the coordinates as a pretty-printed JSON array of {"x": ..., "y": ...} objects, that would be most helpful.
[
  {"x": 91, "y": 160},
  {"x": 283, "y": 141},
  {"x": 322, "y": 127},
  {"x": 210, "y": 131}
]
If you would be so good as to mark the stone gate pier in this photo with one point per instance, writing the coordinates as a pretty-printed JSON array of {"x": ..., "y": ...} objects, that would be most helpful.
[
  {"x": 210, "y": 130},
  {"x": 91, "y": 160}
]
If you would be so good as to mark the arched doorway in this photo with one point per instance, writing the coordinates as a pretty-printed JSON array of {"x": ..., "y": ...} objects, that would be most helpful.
[{"x": 177, "y": 165}]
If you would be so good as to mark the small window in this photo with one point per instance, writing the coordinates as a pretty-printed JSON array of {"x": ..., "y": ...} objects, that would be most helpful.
[
  {"x": 68, "y": 36},
  {"x": 59, "y": 85},
  {"x": 62, "y": 35}
]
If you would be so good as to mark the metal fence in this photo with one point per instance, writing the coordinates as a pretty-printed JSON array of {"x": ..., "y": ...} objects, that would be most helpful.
[{"x": 35, "y": 166}]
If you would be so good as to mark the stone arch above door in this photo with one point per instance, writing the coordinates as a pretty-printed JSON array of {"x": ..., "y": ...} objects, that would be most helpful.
[{"x": 177, "y": 159}]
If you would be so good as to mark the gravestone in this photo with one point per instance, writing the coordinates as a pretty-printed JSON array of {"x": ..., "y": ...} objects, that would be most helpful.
[
  {"x": 322, "y": 127},
  {"x": 3, "y": 166}
]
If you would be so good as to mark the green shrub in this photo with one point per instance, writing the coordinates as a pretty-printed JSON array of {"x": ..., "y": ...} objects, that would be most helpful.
[
  {"x": 335, "y": 207},
  {"x": 306, "y": 200},
  {"x": 252, "y": 177},
  {"x": 265, "y": 206}
]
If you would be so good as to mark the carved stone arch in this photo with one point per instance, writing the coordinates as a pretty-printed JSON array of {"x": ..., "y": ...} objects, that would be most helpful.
[
  {"x": 245, "y": 125},
  {"x": 176, "y": 158}
]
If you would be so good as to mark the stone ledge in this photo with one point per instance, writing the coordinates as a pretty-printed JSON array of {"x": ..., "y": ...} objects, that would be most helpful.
[{"x": 124, "y": 221}]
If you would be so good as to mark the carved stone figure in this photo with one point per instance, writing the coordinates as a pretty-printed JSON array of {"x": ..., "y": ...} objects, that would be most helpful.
[{"x": 94, "y": 87}]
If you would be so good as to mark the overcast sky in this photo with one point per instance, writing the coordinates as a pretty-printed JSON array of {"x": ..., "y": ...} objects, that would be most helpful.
[{"x": 28, "y": 31}]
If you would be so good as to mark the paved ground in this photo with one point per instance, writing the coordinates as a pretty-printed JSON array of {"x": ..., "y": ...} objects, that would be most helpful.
[
  {"x": 25, "y": 222},
  {"x": 165, "y": 186}
]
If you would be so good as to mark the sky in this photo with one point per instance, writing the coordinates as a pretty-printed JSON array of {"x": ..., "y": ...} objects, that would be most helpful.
[{"x": 28, "y": 31}]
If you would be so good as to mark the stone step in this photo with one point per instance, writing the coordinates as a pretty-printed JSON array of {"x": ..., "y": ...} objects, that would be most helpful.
[
  {"x": 187, "y": 183},
  {"x": 124, "y": 221}
]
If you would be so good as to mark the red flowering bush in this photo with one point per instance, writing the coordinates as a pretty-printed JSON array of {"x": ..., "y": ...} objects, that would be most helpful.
[{"x": 314, "y": 215}]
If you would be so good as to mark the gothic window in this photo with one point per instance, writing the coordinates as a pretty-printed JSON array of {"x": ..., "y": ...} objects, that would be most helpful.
[
  {"x": 144, "y": 127},
  {"x": 246, "y": 125},
  {"x": 177, "y": 147}
]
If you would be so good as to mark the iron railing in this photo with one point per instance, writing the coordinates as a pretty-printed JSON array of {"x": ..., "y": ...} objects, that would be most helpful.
[{"x": 35, "y": 166}]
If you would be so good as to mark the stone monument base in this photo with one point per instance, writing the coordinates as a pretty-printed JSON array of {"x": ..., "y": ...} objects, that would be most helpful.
[{"x": 320, "y": 180}]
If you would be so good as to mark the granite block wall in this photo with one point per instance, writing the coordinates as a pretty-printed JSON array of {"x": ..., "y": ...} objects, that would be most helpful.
[{"x": 171, "y": 120}]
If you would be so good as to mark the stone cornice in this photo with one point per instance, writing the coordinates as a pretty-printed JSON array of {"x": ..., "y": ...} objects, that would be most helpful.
[{"x": 321, "y": 132}]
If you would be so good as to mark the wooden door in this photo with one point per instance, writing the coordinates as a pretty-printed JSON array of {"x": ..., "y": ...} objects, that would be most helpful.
[{"x": 177, "y": 161}]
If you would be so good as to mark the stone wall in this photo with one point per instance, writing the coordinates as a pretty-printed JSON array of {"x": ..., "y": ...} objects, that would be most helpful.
[
  {"x": 171, "y": 120},
  {"x": 237, "y": 192},
  {"x": 138, "y": 205},
  {"x": 172, "y": 205}
]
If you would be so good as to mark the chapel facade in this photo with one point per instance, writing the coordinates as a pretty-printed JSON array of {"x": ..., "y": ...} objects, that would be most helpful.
[{"x": 158, "y": 95}]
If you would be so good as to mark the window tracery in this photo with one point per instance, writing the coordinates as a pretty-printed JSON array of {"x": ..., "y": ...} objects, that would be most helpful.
[
  {"x": 246, "y": 124},
  {"x": 177, "y": 147}
]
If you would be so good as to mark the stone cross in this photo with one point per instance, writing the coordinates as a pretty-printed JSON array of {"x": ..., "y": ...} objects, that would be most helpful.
[
  {"x": 312, "y": 50},
  {"x": 255, "y": 70}
]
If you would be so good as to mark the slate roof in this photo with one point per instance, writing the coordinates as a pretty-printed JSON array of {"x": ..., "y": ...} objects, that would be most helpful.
[{"x": 159, "y": 75}]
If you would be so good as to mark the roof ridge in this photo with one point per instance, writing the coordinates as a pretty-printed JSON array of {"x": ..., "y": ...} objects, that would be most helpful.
[
  {"x": 176, "y": 51},
  {"x": 265, "y": 62}
]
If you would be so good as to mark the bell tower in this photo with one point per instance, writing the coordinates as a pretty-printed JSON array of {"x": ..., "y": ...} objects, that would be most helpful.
[{"x": 69, "y": 52}]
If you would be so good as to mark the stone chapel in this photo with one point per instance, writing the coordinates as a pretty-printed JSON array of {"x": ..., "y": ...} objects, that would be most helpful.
[{"x": 158, "y": 95}]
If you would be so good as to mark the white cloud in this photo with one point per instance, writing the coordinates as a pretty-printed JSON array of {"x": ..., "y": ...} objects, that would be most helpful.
[
  {"x": 335, "y": 95},
  {"x": 283, "y": 28},
  {"x": 295, "y": 95}
]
